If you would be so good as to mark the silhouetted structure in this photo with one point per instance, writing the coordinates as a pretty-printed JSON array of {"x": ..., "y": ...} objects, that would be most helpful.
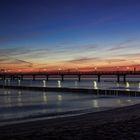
[{"x": 99, "y": 74}]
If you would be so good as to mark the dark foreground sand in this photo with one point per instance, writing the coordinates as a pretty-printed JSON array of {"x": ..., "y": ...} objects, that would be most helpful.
[{"x": 118, "y": 124}]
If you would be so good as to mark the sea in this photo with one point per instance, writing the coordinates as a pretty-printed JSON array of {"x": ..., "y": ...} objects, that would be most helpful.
[{"x": 22, "y": 106}]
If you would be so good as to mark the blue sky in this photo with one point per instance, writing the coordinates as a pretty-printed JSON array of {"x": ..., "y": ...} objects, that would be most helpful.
[{"x": 69, "y": 33}]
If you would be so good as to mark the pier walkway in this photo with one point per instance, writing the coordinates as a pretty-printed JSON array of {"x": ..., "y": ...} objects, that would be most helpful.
[{"x": 79, "y": 75}]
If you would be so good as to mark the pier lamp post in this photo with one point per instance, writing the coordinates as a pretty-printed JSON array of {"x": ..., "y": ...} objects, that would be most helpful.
[
  {"x": 59, "y": 70},
  {"x": 77, "y": 69},
  {"x": 19, "y": 70},
  {"x": 118, "y": 68},
  {"x": 127, "y": 68},
  {"x": 8, "y": 70},
  {"x": 95, "y": 69},
  {"x": 44, "y": 70}
]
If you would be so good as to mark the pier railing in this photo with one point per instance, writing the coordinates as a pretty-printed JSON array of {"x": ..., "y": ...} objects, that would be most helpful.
[
  {"x": 21, "y": 75},
  {"x": 73, "y": 73}
]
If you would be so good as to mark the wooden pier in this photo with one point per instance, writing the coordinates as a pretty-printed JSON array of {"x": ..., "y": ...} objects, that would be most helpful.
[{"x": 79, "y": 75}]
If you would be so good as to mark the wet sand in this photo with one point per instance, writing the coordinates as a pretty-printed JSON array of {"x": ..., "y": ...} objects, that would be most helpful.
[{"x": 116, "y": 124}]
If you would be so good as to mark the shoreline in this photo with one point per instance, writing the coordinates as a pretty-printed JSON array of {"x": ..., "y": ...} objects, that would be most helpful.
[
  {"x": 117, "y": 123},
  {"x": 48, "y": 116},
  {"x": 79, "y": 127}
]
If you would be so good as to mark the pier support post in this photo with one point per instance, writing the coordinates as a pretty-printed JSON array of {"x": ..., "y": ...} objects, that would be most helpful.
[
  {"x": 62, "y": 77},
  {"x": 21, "y": 77},
  {"x": 4, "y": 77},
  {"x": 33, "y": 77},
  {"x": 99, "y": 78},
  {"x": 124, "y": 78},
  {"x": 47, "y": 77},
  {"x": 79, "y": 77},
  {"x": 118, "y": 78},
  {"x": 11, "y": 77}
]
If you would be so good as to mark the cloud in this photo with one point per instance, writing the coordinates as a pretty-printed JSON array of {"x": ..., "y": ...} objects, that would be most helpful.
[
  {"x": 82, "y": 60},
  {"x": 14, "y": 61},
  {"x": 132, "y": 55},
  {"x": 89, "y": 47},
  {"x": 18, "y": 61},
  {"x": 123, "y": 45},
  {"x": 13, "y": 51},
  {"x": 36, "y": 54},
  {"x": 115, "y": 60},
  {"x": 18, "y": 36},
  {"x": 23, "y": 52}
]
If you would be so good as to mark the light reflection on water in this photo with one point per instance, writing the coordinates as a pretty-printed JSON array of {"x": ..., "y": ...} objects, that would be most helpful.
[
  {"x": 95, "y": 103},
  {"x": 44, "y": 83},
  {"x": 59, "y": 84},
  {"x": 95, "y": 86},
  {"x": 45, "y": 98},
  {"x": 91, "y": 84},
  {"x": 19, "y": 104},
  {"x": 139, "y": 85}
]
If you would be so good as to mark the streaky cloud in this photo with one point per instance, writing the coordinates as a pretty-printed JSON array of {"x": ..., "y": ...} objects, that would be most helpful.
[
  {"x": 128, "y": 55},
  {"x": 82, "y": 60},
  {"x": 123, "y": 45},
  {"x": 15, "y": 62},
  {"x": 110, "y": 61}
]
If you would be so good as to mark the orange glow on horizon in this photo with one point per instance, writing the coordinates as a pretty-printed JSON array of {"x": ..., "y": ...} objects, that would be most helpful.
[{"x": 118, "y": 68}]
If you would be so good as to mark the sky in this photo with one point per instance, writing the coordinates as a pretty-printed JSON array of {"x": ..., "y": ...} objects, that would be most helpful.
[{"x": 69, "y": 34}]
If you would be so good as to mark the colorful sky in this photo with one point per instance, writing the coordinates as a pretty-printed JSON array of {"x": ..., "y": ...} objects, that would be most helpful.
[{"x": 69, "y": 34}]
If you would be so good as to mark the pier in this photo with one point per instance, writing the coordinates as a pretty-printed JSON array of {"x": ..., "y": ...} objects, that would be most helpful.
[{"x": 21, "y": 75}]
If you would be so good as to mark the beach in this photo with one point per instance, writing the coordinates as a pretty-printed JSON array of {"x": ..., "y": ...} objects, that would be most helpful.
[
  {"x": 70, "y": 70},
  {"x": 120, "y": 123},
  {"x": 119, "y": 120}
]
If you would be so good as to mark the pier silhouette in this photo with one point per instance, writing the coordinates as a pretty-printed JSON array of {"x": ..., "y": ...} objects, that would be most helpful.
[{"x": 63, "y": 74}]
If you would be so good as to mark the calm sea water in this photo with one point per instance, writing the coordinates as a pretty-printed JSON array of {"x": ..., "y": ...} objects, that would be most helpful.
[
  {"x": 17, "y": 104},
  {"x": 26, "y": 105}
]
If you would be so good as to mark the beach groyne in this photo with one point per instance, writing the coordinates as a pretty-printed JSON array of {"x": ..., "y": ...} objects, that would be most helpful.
[{"x": 76, "y": 90}]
